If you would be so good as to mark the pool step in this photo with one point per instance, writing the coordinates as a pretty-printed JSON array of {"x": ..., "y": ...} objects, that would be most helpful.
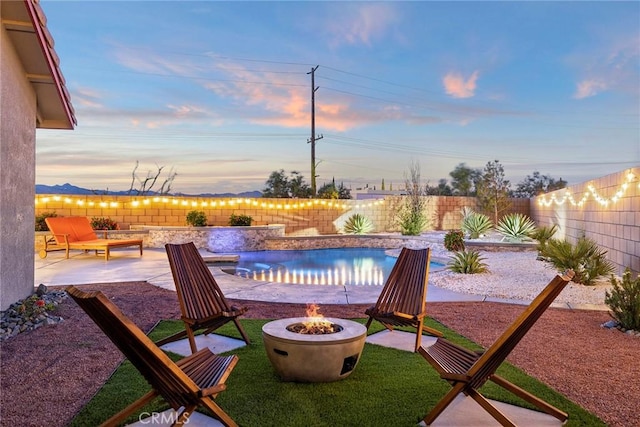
[{"x": 211, "y": 259}]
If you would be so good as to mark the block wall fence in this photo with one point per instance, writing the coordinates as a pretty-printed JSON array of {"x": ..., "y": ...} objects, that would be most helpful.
[
  {"x": 301, "y": 217},
  {"x": 606, "y": 210}
]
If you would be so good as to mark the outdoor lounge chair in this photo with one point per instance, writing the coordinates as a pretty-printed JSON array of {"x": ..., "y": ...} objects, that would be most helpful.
[
  {"x": 467, "y": 370},
  {"x": 191, "y": 382},
  {"x": 202, "y": 302},
  {"x": 402, "y": 301},
  {"x": 75, "y": 232}
]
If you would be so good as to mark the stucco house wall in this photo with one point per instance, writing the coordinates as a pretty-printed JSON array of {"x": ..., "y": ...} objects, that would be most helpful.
[
  {"x": 17, "y": 176},
  {"x": 32, "y": 95}
]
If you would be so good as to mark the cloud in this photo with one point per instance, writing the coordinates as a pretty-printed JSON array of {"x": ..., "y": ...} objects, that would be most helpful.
[
  {"x": 587, "y": 88},
  {"x": 456, "y": 86},
  {"x": 610, "y": 66},
  {"x": 362, "y": 24}
]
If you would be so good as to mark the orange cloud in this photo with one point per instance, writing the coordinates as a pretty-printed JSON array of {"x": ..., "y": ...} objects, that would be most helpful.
[{"x": 456, "y": 86}]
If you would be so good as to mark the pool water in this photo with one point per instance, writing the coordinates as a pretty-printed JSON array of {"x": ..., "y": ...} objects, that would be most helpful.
[{"x": 346, "y": 266}]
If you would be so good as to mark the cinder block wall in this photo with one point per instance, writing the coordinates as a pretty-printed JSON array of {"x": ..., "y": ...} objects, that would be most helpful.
[
  {"x": 301, "y": 217},
  {"x": 606, "y": 210}
]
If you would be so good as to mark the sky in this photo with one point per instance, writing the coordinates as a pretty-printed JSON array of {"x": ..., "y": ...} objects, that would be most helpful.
[{"x": 220, "y": 92}]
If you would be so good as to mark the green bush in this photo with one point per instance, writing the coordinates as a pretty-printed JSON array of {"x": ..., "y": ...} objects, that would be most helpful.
[
  {"x": 543, "y": 235},
  {"x": 475, "y": 224},
  {"x": 624, "y": 300},
  {"x": 358, "y": 224},
  {"x": 103, "y": 224},
  {"x": 413, "y": 222},
  {"x": 454, "y": 240},
  {"x": 196, "y": 219},
  {"x": 240, "y": 220},
  {"x": 41, "y": 225},
  {"x": 516, "y": 227},
  {"x": 467, "y": 262},
  {"x": 585, "y": 258}
]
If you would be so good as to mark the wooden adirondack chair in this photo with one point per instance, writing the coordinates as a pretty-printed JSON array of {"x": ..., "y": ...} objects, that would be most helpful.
[
  {"x": 202, "y": 302},
  {"x": 191, "y": 382},
  {"x": 402, "y": 301},
  {"x": 467, "y": 370}
]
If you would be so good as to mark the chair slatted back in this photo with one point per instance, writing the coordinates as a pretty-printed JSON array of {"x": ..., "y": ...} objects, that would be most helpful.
[
  {"x": 488, "y": 363},
  {"x": 77, "y": 229},
  {"x": 405, "y": 290},
  {"x": 198, "y": 292},
  {"x": 154, "y": 365}
]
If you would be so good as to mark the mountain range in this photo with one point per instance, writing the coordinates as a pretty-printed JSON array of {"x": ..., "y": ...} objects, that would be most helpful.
[{"x": 72, "y": 189}]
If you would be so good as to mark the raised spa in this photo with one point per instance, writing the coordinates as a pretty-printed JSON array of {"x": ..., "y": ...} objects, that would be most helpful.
[{"x": 322, "y": 357}]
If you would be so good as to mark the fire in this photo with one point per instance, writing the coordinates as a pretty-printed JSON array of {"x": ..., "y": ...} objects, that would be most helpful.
[
  {"x": 313, "y": 310},
  {"x": 316, "y": 325}
]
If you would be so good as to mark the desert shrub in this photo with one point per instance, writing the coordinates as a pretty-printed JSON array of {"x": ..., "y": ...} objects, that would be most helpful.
[
  {"x": 624, "y": 300},
  {"x": 475, "y": 224},
  {"x": 516, "y": 227},
  {"x": 196, "y": 218},
  {"x": 454, "y": 240},
  {"x": 543, "y": 235},
  {"x": 103, "y": 223},
  {"x": 358, "y": 224},
  {"x": 467, "y": 262},
  {"x": 585, "y": 258},
  {"x": 412, "y": 221},
  {"x": 41, "y": 225},
  {"x": 240, "y": 220}
]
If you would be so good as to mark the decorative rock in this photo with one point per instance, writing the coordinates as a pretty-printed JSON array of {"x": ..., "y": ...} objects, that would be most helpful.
[
  {"x": 26, "y": 315},
  {"x": 610, "y": 324}
]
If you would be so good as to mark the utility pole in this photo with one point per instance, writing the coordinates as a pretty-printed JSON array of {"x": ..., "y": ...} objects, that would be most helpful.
[{"x": 313, "y": 138}]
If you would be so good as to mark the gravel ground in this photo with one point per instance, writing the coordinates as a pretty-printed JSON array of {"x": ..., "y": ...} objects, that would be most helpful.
[
  {"x": 519, "y": 276},
  {"x": 48, "y": 374}
]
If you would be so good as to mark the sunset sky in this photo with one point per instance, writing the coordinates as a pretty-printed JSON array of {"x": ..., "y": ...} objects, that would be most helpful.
[{"x": 221, "y": 91}]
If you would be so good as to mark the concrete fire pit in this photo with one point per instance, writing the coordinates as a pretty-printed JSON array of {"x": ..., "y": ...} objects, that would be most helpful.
[{"x": 313, "y": 357}]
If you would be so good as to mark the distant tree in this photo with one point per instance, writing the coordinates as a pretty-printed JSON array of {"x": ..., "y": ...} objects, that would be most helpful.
[
  {"x": 382, "y": 186},
  {"x": 278, "y": 185},
  {"x": 463, "y": 180},
  {"x": 442, "y": 189},
  {"x": 143, "y": 186},
  {"x": 493, "y": 191},
  {"x": 538, "y": 184},
  {"x": 331, "y": 191}
]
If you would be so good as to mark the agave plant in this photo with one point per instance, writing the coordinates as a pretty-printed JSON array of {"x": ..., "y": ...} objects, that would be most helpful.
[
  {"x": 467, "y": 262},
  {"x": 358, "y": 224},
  {"x": 475, "y": 224},
  {"x": 585, "y": 258},
  {"x": 516, "y": 227}
]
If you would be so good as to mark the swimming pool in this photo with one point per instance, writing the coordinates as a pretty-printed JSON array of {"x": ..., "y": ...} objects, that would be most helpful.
[{"x": 345, "y": 266}]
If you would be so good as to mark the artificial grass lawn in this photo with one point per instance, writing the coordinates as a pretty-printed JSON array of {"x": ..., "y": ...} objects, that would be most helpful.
[{"x": 388, "y": 387}]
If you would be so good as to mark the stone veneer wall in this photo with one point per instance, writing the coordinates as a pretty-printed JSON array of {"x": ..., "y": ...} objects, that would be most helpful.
[
  {"x": 214, "y": 239},
  {"x": 606, "y": 210},
  {"x": 300, "y": 217}
]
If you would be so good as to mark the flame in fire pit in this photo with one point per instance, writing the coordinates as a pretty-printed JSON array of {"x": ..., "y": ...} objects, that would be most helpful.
[{"x": 316, "y": 325}]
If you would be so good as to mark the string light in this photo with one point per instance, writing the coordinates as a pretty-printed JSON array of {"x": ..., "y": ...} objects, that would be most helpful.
[
  {"x": 590, "y": 192},
  {"x": 124, "y": 201}
]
